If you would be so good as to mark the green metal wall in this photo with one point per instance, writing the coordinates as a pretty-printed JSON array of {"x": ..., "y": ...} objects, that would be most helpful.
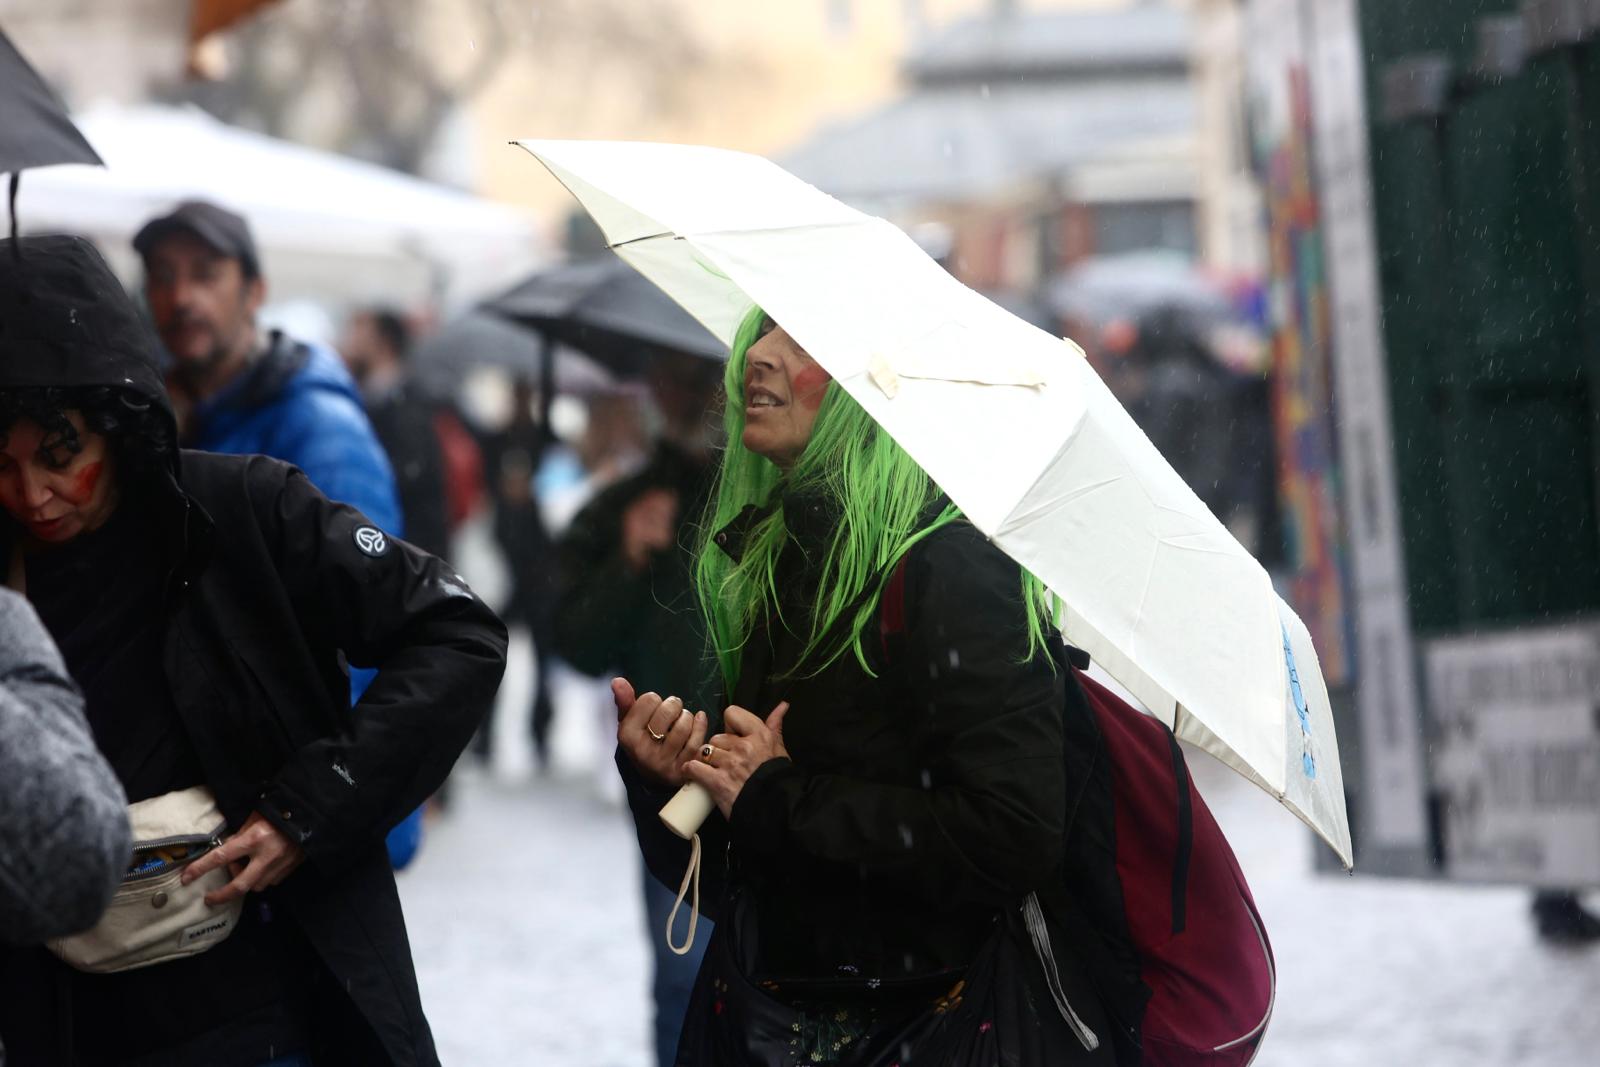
[{"x": 1487, "y": 211}]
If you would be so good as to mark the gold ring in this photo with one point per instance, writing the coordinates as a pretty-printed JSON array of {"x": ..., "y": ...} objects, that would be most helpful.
[
  {"x": 706, "y": 752},
  {"x": 652, "y": 733}
]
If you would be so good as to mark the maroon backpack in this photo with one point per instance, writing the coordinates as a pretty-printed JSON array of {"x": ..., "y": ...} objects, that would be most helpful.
[
  {"x": 1153, "y": 903},
  {"x": 1187, "y": 915}
]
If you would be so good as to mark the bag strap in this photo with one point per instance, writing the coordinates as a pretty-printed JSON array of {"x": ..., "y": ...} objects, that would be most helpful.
[{"x": 1180, "y": 863}]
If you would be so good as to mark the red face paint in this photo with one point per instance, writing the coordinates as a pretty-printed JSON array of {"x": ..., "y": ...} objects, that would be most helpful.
[
  {"x": 83, "y": 485},
  {"x": 811, "y": 385}
]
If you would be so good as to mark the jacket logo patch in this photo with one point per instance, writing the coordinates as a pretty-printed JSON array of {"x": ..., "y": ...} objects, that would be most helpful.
[{"x": 371, "y": 540}]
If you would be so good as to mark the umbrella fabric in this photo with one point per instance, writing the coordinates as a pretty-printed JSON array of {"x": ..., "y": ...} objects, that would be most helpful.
[
  {"x": 34, "y": 128},
  {"x": 442, "y": 359},
  {"x": 607, "y": 311},
  {"x": 1012, "y": 424}
]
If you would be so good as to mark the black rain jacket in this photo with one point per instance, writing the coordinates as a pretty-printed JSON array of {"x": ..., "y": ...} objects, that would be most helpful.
[
  {"x": 272, "y": 589},
  {"x": 917, "y": 805}
]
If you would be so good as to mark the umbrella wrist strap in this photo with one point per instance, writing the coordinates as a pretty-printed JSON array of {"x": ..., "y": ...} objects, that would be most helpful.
[{"x": 690, "y": 876}]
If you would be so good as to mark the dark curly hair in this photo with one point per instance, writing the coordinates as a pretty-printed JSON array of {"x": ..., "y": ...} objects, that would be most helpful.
[{"x": 138, "y": 432}]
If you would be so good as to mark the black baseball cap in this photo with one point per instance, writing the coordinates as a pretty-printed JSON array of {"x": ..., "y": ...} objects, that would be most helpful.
[{"x": 218, "y": 227}]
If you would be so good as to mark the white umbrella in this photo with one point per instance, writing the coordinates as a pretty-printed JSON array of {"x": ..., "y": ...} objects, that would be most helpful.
[{"x": 1012, "y": 424}]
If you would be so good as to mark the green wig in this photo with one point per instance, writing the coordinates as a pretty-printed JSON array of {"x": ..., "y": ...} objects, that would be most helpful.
[{"x": 884, "y": 503}]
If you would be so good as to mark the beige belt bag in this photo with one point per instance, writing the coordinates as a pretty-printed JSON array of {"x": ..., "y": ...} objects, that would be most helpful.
[{"x": 152, "y": 918}]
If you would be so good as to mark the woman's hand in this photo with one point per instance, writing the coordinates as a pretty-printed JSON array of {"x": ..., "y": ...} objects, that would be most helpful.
[
  {"x": 725, "y": 763},
  {"x": 658, "y": 735},
  {"x": 258, "y": 857}
]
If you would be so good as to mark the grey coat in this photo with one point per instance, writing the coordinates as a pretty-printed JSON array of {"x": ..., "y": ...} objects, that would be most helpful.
[{"x": 63, "y": 816}]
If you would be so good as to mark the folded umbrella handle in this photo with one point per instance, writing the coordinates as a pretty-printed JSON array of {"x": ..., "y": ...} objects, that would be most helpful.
[
  {"x": 686, "y": 811},
  {"x": 683, "y": 815}
]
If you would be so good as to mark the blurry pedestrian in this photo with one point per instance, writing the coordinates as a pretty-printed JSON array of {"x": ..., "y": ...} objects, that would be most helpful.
[
  {"x": 626, "y": 605},
  {"x": 63, "y": 815},
  {"x": 512, "y": 456},
  {"x": 881, "y": 813},
  {"x": 374, "y": 348},
  {"x": 1182, "y": 401},
  {"x": 249, "y": 391},
  {"x": 1561, "y": 919},
  {"x": 243, "y": 391},
  {"x": 206, "y": 605}
]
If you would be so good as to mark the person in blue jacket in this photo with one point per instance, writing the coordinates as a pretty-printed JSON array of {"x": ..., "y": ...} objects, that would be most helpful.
[{"x": 243, "y": 390}]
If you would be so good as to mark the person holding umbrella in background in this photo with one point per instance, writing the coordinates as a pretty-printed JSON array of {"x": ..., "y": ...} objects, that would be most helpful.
[{"x": 626, "y": 604}]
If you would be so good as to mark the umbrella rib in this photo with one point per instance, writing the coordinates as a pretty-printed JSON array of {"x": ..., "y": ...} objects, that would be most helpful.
[
  {"x": 647, "y": 237},
  {"x": 802, "y": 227}
]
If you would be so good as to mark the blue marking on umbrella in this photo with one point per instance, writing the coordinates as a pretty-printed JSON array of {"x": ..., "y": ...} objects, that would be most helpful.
[{"x": 1303, "y": 713}]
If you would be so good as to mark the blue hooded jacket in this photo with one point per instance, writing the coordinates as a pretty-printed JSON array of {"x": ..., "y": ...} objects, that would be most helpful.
[{"x": 297, "y": 403}]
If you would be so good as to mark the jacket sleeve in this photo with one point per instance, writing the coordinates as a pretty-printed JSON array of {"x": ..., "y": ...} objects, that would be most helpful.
[
  {"x": 64, "y": 841},
  {"x": 600, "y": 602},
  {"x": 985, "y": 823},
  {"x": 439, "y": 654},
  {"x": 331, "y": 439}
]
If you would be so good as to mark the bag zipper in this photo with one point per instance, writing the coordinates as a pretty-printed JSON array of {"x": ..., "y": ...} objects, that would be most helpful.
[{"x": 210, "y": 841}]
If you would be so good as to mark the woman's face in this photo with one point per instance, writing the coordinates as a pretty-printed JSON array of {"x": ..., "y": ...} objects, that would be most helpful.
[
  {"x": 53, "y": 493},
  {"x": 783, "y": 388}
]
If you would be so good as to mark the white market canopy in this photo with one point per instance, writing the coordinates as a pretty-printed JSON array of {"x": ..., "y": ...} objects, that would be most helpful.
[{"x": 330, "y": 228}]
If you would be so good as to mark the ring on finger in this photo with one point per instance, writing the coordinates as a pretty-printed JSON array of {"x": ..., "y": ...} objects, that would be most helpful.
[
  {"x": 707, "y": 752},
  {"x": 652, "y": 733}
]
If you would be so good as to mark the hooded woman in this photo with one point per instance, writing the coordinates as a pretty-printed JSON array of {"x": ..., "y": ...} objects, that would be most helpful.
[
  {"x": 888, "y": 775},
  {"x": 210, "y": 607}
]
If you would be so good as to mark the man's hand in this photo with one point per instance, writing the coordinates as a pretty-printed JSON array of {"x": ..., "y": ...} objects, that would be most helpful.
[
  {"x": 649, "y": 525},
  {"x": 734, "y": 756},
  {"x": 257, "y": 857},
  {"x": 658, "y": 735}
]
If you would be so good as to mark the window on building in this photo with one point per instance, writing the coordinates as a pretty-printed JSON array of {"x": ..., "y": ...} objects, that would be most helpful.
[{"x": 1139, "y": 227}]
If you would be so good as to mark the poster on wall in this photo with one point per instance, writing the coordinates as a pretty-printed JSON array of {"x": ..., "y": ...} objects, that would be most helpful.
[
  {"x": 1308, "y": 115},
  {"x": 1517, "y": 758}
]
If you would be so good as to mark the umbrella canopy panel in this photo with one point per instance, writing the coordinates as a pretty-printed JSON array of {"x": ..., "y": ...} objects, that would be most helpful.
[
  {"x": 607, "y": 310},
  {"x": 34, "y": 128},
  {"x": 444, "y": 358}
]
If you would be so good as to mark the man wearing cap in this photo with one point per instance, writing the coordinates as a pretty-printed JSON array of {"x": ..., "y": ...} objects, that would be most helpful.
[{"x": 244, "y": 391}]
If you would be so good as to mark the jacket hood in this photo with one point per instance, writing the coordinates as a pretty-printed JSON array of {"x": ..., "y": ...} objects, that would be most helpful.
[
  {"x": 287, "y": 367},
  {"x": 66, "y": 322}
]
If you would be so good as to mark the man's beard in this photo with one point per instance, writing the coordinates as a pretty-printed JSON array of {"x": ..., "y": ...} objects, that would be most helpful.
[{"x": 195, "y": 372}]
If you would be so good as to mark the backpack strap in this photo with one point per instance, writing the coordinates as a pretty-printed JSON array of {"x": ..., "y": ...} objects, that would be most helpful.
[
  {"x": 892, "y": 608},
  {"x": 1180, "y": 863}
]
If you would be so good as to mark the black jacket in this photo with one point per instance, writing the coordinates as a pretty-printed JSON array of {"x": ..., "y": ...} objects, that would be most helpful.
[
  {"x": 643, "y": 625},
  {"x": 270, "y": 588},
  {"x": 403, "y": 421},
  {"x": 917, "y": 805}
]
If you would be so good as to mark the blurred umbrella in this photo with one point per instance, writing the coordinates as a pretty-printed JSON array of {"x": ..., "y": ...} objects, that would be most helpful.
[
  {"x": 608, "y": 311},
  {"x": 475, "y": 339},
  {"x": 1131, "y": 285},
  {"x": 34, "y": 128}
]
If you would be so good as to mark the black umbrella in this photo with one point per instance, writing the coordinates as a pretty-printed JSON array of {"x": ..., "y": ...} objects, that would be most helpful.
[
  {"x": 607, "y": 310},
  {"x": 442, "y": 359},
  {"x": 34, "y": 128}
]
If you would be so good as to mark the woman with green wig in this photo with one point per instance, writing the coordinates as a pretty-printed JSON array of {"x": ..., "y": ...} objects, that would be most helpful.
[{"x": 887, "y": 774}]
